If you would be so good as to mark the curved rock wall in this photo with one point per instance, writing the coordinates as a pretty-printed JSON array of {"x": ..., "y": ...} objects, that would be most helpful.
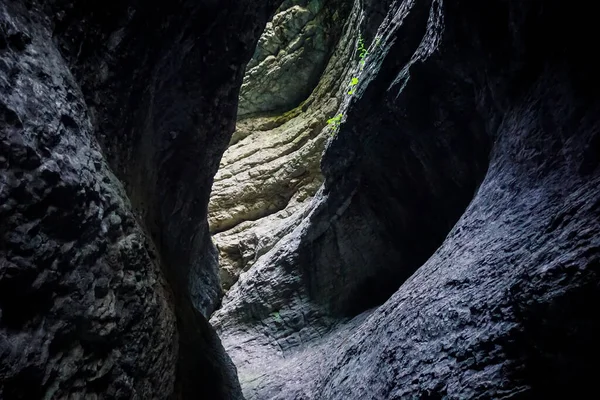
[
  {"x": 77, "y": 275},
  {"x": 272, "y": 168},
  {"x": 166, "y": 117},
  {"x": 451, "y": 252},
  {"x": 101, "y": 298},
  {"x": 384, "y": 291}
]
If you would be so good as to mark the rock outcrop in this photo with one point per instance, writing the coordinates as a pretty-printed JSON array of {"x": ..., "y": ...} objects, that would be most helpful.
[
  {"x": 271, "y": 170},
  {"x": 104, "y": 287},
  {"x": 291, "y": 55},
  {"x": 455, "y": 243}
]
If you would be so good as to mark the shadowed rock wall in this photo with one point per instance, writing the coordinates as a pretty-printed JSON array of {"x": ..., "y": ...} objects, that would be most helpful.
[
  {"x": 90, "y": 305},
  {"x": 384, "y": 290},
  {"x": 77, "y": 275}
]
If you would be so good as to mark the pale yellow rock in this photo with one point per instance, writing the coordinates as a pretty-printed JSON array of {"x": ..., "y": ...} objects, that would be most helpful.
[{"x": 271, "y": 169}]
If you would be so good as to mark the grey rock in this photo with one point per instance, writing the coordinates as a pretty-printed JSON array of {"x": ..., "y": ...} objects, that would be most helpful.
[
  {"x": 454, "y": 245},
  {"x": 105, "y": 289},
  {"x": 291, "y": 55},
  {"x": 77, "y": 274},
  {"x": 451, "y": 252}
]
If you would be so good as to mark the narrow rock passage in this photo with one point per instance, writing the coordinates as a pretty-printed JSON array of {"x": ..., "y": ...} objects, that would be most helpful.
[
  {"x": 271, "y": 170},
  {"x": 412, "y": 192}
]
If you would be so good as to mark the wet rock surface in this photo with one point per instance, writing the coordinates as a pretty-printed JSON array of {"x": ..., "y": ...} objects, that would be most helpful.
[{"x": 455, "y": 240}]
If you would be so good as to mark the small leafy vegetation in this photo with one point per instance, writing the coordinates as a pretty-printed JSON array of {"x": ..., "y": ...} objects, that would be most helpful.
[
  {"x": 335, "y": 121},
  {"x": 362, "y": 51},
  {"x": 362, "y": 56},
  {"x": 354, "y": 81},
  {"x": 276, "y": 316}
]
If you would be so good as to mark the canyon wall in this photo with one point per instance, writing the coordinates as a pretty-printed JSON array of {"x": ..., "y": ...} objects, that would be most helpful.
[
  {"x": 454, "y": 244},
  {"x": 113, "y": 118},
  {"x": 447, "y": 246},
  {"x": 271, "y": 170}
]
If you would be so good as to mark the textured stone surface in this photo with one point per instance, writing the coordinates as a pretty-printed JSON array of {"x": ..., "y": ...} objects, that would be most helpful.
[
  {"x": 384, "y": 291},
  {"x": 84, "y": 310},
  {"x": 271, "y": 169},
  {"x": 165, "y": 119},
  {"x": 87, "y": 306},
  {"x": 263, "y": 181},
  {"x": 291, "y": 55},
  {"x": 452, "y": 252}
]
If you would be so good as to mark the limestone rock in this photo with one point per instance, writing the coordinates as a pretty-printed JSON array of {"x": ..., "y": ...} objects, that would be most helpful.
[
  {"x": 291, "y": 55},
  {"x": 454, "y": 245},
  {"x": 272, "y": 167},
  {"x": 452, "y": 250}
]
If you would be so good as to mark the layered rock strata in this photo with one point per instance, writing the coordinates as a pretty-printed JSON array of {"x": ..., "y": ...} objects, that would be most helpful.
[{"x": 272, "y": 168}]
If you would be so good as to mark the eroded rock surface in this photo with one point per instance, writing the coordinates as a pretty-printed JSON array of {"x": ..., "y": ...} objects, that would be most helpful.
[
  {"x": 291, "y": 55},
  {"x": 455, "y": 242},
  {"x": 452, "y": 251},
  {"x": 100, "y": 296},
  {"x": 77, "y": 274},
  {"x": 271, "y": 169}
]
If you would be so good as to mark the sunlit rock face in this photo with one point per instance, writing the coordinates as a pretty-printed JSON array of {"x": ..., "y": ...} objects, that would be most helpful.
[
  {"x": 454, "y": 245},
  {"x": 291, "y": 55},
  {"x": 272, "y": 167}
]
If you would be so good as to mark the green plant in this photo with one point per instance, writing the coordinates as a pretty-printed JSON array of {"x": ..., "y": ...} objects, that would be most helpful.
[
  {"x": 335, "y": 121},
  {"x": 362, "y": 55},
  {"x": 353, "y": 82},
  {"x": 362, "y": 51}
]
